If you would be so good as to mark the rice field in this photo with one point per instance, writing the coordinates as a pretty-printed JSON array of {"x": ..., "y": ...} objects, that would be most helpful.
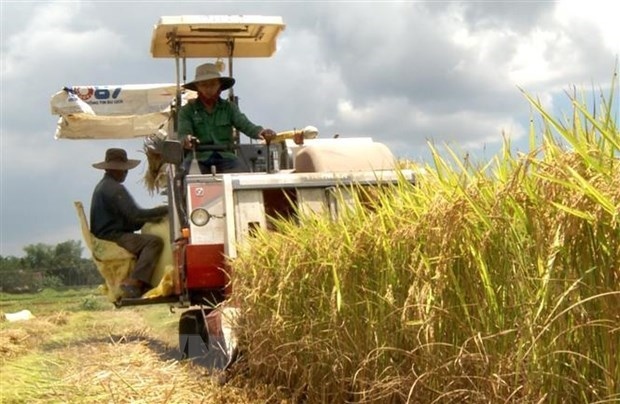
[
  {"x": 494, "y": 282},
  {"x": 483, "y": 282}
]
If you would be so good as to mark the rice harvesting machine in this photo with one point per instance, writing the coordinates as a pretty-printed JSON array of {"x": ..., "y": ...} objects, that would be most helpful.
[{"x": 213, "y": 215}]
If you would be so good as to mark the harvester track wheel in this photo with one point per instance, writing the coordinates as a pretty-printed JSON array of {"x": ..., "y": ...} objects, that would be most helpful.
[{"x": 193, "y": 336}]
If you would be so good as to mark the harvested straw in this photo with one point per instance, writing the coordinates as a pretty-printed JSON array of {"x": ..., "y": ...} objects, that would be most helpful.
[
  {"x": 155, "y": 175},
  {"x": 108, "y": 356},
  {"x": 19, "y": 338}
]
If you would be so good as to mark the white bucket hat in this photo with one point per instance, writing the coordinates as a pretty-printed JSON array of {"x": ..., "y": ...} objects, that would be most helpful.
[{"x": 209, "y": 71}]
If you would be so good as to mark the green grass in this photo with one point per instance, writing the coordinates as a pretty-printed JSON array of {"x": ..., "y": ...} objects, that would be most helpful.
[{"x": 50, "y": 300}]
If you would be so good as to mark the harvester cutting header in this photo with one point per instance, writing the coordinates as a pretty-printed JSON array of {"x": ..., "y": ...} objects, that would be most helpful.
[{"x": 213, "y": 207}]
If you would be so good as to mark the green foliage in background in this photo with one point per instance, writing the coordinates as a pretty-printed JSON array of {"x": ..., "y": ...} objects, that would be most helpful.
[
  {"x": 490, "y": 283},
  {"x": 46, "y": 266}
]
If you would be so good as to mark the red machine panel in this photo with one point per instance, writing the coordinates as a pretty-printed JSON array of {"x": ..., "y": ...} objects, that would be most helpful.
[{"x": 205, "y": 266}]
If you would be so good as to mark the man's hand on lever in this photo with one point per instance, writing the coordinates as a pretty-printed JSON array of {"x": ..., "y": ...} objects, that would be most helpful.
[
  {"x": 267, "y": 135},
  {"x": 190, "y": 142}
]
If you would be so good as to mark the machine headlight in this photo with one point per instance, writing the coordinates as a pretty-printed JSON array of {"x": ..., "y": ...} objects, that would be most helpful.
[{"x": 200, "y": 217}]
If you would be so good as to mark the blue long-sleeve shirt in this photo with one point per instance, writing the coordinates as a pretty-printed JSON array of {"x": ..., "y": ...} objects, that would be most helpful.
[{"x": 113, "y": 211}]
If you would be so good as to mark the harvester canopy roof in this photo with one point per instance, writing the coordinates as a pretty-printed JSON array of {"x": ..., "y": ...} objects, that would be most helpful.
[{"x": 215, "y": 36}]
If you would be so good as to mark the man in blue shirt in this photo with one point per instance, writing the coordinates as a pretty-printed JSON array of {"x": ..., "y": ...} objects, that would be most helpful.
[{"x": 115, "y": 216}]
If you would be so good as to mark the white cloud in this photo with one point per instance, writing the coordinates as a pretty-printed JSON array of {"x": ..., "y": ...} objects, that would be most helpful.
[
  {"x": 412, "y": 125},
  {"x": 530, "y": 63},
  {"x": 603, "y": 15},
  {"x": 51, "y": 38}
]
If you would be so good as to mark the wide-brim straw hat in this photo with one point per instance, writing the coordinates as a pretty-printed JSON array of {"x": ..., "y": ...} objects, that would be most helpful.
[
  {"x": 209, "y": 71},
  {"x": 116, "y": 159}
]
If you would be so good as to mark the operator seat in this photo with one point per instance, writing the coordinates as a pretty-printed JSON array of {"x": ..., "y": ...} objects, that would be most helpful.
[{"x": 113, "y": 262}]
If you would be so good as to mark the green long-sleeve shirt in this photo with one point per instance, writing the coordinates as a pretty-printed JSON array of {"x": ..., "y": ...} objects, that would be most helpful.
[{"x": 214, "y": 127}]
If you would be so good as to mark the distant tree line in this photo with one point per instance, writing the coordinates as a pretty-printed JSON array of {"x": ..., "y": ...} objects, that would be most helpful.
[{"x": 47, "y": 266}]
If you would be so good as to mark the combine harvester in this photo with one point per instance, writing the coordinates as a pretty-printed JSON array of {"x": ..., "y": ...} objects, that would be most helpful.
[{"x": 211, "y": 216}]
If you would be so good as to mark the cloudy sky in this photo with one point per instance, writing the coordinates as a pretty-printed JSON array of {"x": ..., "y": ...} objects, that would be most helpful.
[{"x": 404, "y": 73}]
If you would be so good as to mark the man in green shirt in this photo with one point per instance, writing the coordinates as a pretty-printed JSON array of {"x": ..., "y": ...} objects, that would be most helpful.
[{"x": 210, "y": 119}]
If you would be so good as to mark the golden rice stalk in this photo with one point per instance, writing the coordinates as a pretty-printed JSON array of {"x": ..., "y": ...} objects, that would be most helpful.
[{"x": 155, "y": 175}]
